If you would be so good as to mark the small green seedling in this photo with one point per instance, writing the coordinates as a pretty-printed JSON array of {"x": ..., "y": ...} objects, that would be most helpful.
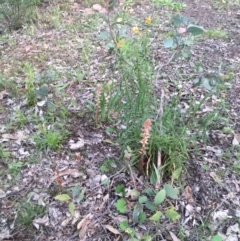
[{"x": 77, "y": 196}]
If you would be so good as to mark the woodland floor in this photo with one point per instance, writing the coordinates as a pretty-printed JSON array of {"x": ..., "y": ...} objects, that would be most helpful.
[{"x": 65, "y": 49}]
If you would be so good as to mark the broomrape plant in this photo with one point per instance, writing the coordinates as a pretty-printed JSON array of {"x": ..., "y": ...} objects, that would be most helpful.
[{"x": 145, "y": 137}]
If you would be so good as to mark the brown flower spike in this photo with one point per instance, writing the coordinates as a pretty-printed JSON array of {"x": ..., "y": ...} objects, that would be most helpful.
[{"x": 145, "y": 137}]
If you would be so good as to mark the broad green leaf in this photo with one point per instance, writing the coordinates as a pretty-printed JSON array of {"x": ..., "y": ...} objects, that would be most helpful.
[
  {"x": 195, "y": 30},
  {"x": 156, "y": 217},
  {"x": 123, "y": 225},
  {"x": 123, "y": 31},
  {"x": 42, "y": 92},
  {"x": 197, "y": 82},
  {"x": 217, "y": 238},
  {"x": 142, "y": 199},
  {"x": 160, "y": 197},
  {"x": 71, "y": 207},
  {"x": 149, "y": 191},
  {"x": 134, "y": 194},
  {"x": 172, "y": 214},
  {"x": 150, "y": 206},
  {"x": 110, "y": 45},
  {"x": 121, "y": 205},
  {"x": 136, "y": 212},
  {"x": 81, "y": 195},
  {"x": 106, "y": 181},
  {"x": 104, "y": 35},
  {"x": 63, "y": 197},
  {"x": 76, "y": 191},
  {"x": 177, "y": 20},
  {"x": 120, "y": 189},
  {"x": 170, "y": 191},
  {"x": 176, "y": 174},
  {"x": 142, "y": 217},
  {"x": 185, "y": 20},
  {"x": 50, "y": 74},
  {"x": 186, "y": 54},
  {"x": 206, "y": 83},
  {"x": 168, "y": 42}
]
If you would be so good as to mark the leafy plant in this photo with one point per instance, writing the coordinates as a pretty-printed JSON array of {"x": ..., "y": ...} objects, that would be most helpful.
[
  {"x": 76, "y": 197},
  {"x": 107, "y": 165},
  {"x": 28, "y": 211},
  {"x": 49, "y": 139},
  {"x": 151, "y": 203}
]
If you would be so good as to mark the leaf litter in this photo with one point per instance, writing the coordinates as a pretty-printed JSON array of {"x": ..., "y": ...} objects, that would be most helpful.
[{"x": 204, "y": 190}]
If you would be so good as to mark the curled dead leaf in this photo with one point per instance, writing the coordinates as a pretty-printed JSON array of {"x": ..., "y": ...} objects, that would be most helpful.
[
  {"x": 83, "y": 225},
  {"x": 38, "y": 221},
  {"x": 188, "y": 194},
  {"x": 72, "y": 172},
  {"x": 174, "y": 237},
  {"x": 112, "y": 229},
  {"x": 215, "y": 177}
]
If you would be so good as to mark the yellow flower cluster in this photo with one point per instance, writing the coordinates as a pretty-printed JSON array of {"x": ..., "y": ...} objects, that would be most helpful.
[
  {"x": 120, "y": 43},
  {"x": 148, "y": 20},
  {"x": 135, "y": 30}
]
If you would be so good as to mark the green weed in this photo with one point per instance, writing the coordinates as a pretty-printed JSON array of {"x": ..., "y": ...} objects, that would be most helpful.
[
  {"x": 49, "y": 139},
  {"x": 27, "y": 212},
  {"x": 175, "y": 6},
  {"x": 14, "y": 13},
  {"x": 217, "y": 34}
]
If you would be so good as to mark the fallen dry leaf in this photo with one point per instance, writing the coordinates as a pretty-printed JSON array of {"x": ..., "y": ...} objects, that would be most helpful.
[
  {"x": 188, "y": 194},
  {"x": 215, "y": 177},
  {"x": 44, "y": 221},
  {"x": 112, "y": 229},
  {"x": 18, "y": 137},
  {"x": 83, "y": 225},
  {"x": 88, "y": 11},
  {"x": 3, "y": 94},
  {"x": 75, "y": 146},
  {"x": 174, "y": 237},
  {"x": 235, "y": 141},
  {"x": 72, "y": 172}
]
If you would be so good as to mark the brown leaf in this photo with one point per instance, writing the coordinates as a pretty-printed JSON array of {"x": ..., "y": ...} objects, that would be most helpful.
[
  {"x": 27, "y": 48},
  {"x": 188, "y": 194},
  {"x": 71, "y": 172},
  {"x": 215, "y": 177},
  {"x": 44, "y": 221},
  {"x": 83, "y": 225},
  {"x": 3, "y": 94},
  {"x": 174, "y": 237},
  {"x": 112, "y": 229}
]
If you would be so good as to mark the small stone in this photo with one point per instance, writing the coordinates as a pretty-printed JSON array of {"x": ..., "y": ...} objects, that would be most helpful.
[{"x": 97, "y": 179}]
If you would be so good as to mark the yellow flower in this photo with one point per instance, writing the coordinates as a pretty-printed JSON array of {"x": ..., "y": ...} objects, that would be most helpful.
[
  {"x": 223, "y": 95},
  {"x": 120, "y": 44},
  {"x": 135, "y": 30},
  {"x": 148, "y": 20}
]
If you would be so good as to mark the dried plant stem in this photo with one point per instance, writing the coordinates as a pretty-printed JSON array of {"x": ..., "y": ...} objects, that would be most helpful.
[{"x": 159, "y": 156}]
